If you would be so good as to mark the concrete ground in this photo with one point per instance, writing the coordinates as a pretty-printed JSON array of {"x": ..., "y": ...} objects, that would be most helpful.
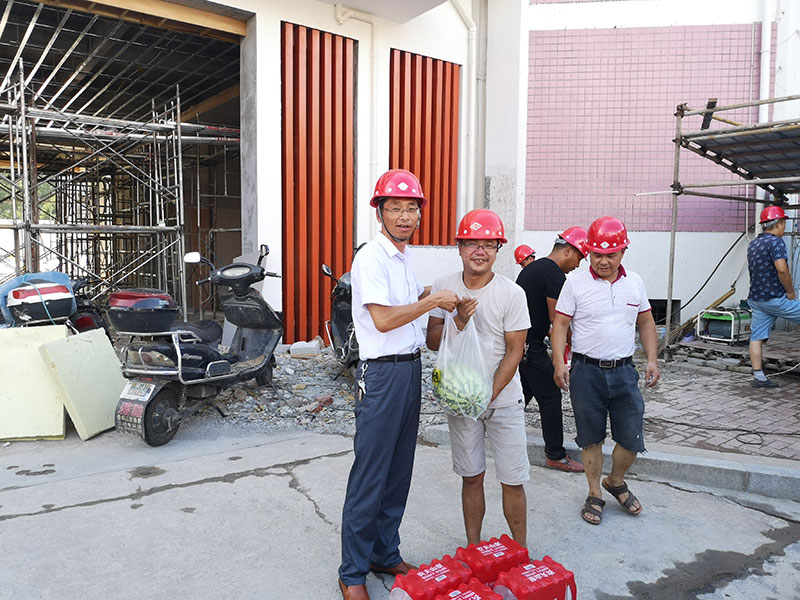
[{"x": 226, "y": 512}]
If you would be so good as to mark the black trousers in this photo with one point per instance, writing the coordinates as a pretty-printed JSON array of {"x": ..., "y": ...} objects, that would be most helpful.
[{"x": 536, "y": 372}]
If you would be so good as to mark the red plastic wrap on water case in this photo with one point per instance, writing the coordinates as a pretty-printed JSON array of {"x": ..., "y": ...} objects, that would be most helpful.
[
  {"x": 429, "y": 581},
  {"x": 474, "y": 590},
  {"x": 488, "y": 559},
  {"x": 538, "y": 580}
]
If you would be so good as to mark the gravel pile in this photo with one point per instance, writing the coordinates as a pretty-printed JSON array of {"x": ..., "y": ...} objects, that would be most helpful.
[{"x": 315, "y": 393}]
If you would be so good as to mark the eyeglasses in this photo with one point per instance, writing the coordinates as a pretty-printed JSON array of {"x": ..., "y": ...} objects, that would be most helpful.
[
  {"x": 486, "y": 246},
  {"x": 396, "y": 211}
]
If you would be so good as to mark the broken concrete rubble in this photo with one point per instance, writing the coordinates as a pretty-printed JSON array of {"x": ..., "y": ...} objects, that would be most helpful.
[{"x": 694, "y": 406}]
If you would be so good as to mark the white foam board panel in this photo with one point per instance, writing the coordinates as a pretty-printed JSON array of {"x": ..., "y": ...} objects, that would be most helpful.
[
  {"x": 88, "y": 372},
  {"x": 31, "y": 401}
]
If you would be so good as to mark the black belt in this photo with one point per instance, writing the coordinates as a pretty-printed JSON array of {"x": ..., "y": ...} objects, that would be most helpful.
[
  {"x": 604, "y": 364},
  {"x": 398, "y": 357}
]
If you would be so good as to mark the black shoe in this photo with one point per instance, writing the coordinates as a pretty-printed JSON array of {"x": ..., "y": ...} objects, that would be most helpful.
[{"x": 757, "y": 383}]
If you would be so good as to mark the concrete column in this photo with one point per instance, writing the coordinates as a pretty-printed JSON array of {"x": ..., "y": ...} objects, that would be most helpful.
[
  {"x": 506, "y": 120},
  {"x": 248, "y": 108}
]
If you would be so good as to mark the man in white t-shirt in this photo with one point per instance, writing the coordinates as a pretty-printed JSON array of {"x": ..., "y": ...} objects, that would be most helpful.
[
  {"x": 499, "y": 310},
  {"x": 605, "y": 305}
]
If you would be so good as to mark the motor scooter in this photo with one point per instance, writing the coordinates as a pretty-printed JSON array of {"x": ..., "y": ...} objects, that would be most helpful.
[
  {"x": 174, "y": 371},
  {"x": 87, "y": 314},
  {"x": 49, "y": 298},
  {"x": 340, "y": 329},
  {"x": 37, "y": 299}
]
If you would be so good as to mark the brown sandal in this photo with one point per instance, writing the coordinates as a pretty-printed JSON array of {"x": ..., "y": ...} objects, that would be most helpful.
[
  {"x": 617, "y": 491},
  {"x": 589, "y": 509}
]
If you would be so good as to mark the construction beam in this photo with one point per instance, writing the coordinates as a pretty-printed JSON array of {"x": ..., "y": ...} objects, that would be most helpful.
[
  {"x": 158, "y": 13},
  {"x": 206, "y": 105}
]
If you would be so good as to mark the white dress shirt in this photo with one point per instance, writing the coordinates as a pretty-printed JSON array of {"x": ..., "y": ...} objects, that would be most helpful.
[{"x": 383, "y": 275}]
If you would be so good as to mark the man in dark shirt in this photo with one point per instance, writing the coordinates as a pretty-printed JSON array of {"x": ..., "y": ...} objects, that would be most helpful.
[
  {"x": 524, "y": 255},
  {"x": 542, "y": 281},
  {"x": 771, "y": 289}
]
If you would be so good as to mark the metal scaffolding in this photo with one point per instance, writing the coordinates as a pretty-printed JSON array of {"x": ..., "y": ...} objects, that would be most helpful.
[
  {"x": 766, "y": 155},
  {"x": 103, "y": 197}
]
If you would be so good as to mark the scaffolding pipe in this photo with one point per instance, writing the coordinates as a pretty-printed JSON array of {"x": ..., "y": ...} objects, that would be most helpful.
[
  {"x": 770, "y": 127},
  {"x": 181, "y": 217},
  {"x": 751, "y": 181},
  {"x": 61, "y": 116},
  {"x": 763, "y": 87},
  {"x": 77, "y": 228},
  {"x": 676, "y": 191},
  {"x": 720, "y": 196},
  {"x": 702, "y": 111},
  {"x": 119, "y": 202},
  {"x": 26, "y": 214}
]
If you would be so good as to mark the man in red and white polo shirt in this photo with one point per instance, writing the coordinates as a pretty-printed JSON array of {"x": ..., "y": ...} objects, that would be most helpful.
[{"x": 604, "y": 307}]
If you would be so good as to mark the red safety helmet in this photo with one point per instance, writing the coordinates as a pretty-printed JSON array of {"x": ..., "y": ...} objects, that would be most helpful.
[
  {"x": 606, "y": 235},
  {"x": 522, "y": 252},
  {"x": 771, "y": 212},
  {"x": 481, "y": 224},
  {"x": 398, "y": 183},
  {"x": 575, "y": 237}
]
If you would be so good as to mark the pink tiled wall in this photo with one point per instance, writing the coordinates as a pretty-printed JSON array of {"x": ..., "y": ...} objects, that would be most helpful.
[{"x": 601, "y": 106}]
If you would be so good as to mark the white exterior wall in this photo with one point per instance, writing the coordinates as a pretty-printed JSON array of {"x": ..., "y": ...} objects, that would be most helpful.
[
  {"x": 440, "y": 33},
  {"x": 696, "y": 254},
  {"x": 506, "y": 120}
]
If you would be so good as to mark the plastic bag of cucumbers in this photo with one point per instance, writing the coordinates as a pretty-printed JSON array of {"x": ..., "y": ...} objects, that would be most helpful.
[{"x": 461, "y": 382}]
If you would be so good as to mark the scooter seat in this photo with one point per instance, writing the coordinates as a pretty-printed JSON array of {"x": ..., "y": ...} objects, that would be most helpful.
[{"x": 208, "y": 331}]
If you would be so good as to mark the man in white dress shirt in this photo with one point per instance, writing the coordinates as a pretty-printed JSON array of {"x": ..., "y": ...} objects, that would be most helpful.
[{"x": 388, "y": 302}]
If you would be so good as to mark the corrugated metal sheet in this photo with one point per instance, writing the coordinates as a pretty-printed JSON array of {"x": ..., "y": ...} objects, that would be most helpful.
[
  {"x": 318, "y": 95},
  {"x": 424, "y": 136}
]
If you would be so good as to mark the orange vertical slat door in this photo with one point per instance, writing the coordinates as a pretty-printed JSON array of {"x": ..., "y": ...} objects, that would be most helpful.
[
  {"x": 318, "y": 172},
  {"x": 423, "y": 137}
]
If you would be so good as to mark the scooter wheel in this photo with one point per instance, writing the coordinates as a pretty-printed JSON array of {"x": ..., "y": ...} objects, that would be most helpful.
[
  {"x": 160, "y": 418},
  {"x": 264, "y": 376}
]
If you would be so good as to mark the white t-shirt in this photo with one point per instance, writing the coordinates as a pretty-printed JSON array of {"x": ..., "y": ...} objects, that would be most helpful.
[
  {"x": 603, "y": 313},
  {"x": 383, "y": 275},
  {"x": 502, "y": 307}
]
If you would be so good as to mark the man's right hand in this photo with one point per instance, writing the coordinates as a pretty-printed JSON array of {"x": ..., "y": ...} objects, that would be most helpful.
[
  {"x": 561, "y": 376},
  {"x": 464, "y": 311},
  {"x": 445, "y": 299}
]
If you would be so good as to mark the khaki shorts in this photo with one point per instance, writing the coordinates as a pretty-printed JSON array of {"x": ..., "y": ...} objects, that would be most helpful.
[{"x": 505, "y": 428}]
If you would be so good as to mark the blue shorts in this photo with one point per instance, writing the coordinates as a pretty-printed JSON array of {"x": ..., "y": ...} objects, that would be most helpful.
[
  {"x": 766, "y": 311},
  {"x": 596, "y": 393}
]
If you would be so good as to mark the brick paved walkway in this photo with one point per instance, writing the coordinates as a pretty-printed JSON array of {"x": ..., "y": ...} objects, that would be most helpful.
[
  {"x": 701, "y": 407},
  {"x": 722, "y": 411}
]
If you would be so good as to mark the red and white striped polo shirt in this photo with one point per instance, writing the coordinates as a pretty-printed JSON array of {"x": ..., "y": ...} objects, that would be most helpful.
[{"x": 603, "y": 313}]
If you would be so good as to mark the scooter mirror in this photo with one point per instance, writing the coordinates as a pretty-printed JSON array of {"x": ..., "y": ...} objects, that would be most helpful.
[
  {"x": 192, "y": 257},
  {"x": 52, "y": 264},
  {"x": 263, "y": 250},
  {"x": 327, "y": 270}
]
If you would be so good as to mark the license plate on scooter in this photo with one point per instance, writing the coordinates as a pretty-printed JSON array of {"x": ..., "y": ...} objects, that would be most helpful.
[{"x": 136, "y": 390}]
